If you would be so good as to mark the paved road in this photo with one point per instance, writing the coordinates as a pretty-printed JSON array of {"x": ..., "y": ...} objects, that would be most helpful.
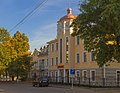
[{"x": 27, "y": 88}]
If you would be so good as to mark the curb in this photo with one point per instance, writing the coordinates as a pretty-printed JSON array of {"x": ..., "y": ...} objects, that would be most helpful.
[{"x": 1, "y": 90}]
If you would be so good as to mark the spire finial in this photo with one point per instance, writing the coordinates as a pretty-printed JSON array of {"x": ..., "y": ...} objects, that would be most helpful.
[{"x": 69, "y": 10}]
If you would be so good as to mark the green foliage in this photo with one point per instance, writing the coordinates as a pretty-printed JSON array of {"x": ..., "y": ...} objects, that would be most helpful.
[
  {"x": 20, "y": 67},
  {"x": 98, "y": 23},
  {"x": 4, "y": 35},
  {"x": 21, "y": 64},
  {"x": 20, "y": 43},
  {"x": 14, "y": 53},
  {"x": 4, "y": 50}
]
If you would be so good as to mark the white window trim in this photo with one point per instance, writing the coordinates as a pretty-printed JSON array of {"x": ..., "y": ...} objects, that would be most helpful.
[
  {"x": 91, "y": 75},
  {"x": 76, "y": 73},
  {"x": 83, "y": 74},
  {"x": 52, "y": 73},
  {"x": 55, "y": 74},
  {"x": 91, "y": 56},
  {"x": 116, "y": 74},
  {"x": 83, "y": 56},
  {"x": 77, "y": 78},
  {"x": 64, "y": 26}
]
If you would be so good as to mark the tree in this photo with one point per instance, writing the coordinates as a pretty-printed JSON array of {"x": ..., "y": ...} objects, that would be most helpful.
[
  {"x": 99, "y": 25},
  {"x": 14, "y": 54},
  {"x": 20, "y": 43},
  {"x": 5, "y": 54},
  {"x": 20, "y": 67},
  {"x": 4, "y": 35}
]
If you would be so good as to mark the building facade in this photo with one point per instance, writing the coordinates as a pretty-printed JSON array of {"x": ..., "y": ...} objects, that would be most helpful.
[
  {"x": 40, "y": 63},
  {"x": 67, "y": 52}
]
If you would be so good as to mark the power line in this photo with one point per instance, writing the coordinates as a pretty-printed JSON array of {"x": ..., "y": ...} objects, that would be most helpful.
[{"x": 29, "y": 14}]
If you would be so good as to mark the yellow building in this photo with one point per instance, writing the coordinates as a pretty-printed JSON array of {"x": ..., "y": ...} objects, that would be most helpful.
[{"x": 67, "y": 52}]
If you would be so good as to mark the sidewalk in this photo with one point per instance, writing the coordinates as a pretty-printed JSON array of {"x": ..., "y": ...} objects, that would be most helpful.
[
  {"x": 107, "y": 90},
  {"x": 76, "y": 89},
  {"x": 1, "y": 90}
]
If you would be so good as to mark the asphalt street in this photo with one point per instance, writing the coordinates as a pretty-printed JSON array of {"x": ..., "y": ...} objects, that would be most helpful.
[{"x": 28, "y": 88}]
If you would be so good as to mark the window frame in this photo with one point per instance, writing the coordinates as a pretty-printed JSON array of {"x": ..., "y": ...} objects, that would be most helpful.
[
  {"x": 56, "y": 46},
  {"x": 84, "y": 56},
  {"x": 56, "y": 60},
  {"x": 67, "y": 49},
  {"x": 91, "y": 77},
  {"x": 92, "y": 58},
  {"x": 84, "y": 77},
  {"x": 52, "y": 48},
  {"x": 77, "y": 75},
  {"x": 77, "y": 60},
  {"x": 52, "y": 63}
]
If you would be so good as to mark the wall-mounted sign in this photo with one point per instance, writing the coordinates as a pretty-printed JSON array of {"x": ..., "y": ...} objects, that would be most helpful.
[
  {"x": 72, "y": 71},
  {"x": 60, "y": 66}
]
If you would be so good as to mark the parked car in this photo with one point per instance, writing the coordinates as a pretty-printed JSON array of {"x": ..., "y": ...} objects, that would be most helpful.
[{"x": 42, "y": 81}]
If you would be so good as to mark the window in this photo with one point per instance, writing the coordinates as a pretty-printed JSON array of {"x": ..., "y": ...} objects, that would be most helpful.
[
  {"x": 92, "y": 56},
  {"x": 78, "y": 57},
  {"x": 118, "y": 76},
  {"x": 52, "y": 62},
  {"x": 92, "y": 75},
  {"x": 47, "y": 63},
  {"x": 56, "y": 60},
  {"x": 84, "y": 75},
  {"x": 52, "y": 74},
  {"x": 56, "y": 73},
  {"x": 78, "y": 74},
  {"x": 56, "y": 46},
  {"x": 67, "y": 53},
  {"x": 60, "y": 50},
  {"x": 52, "y": 47},
  {"x": 42, "y": 63},
  {"x": 84, "y": 56},
  {"x": 77, "y": 40}
]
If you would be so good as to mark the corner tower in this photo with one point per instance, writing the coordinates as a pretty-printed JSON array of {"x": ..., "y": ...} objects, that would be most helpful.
[
  {"x": 62, "y": 49},
  {"x": 63, "y": 25}
]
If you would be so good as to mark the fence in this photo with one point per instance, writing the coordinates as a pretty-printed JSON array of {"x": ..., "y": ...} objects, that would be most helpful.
[{"x": 101, "y": 82}]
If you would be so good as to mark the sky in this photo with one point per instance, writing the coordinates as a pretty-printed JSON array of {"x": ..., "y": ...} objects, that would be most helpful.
[{"x": 41, "y": 25}]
